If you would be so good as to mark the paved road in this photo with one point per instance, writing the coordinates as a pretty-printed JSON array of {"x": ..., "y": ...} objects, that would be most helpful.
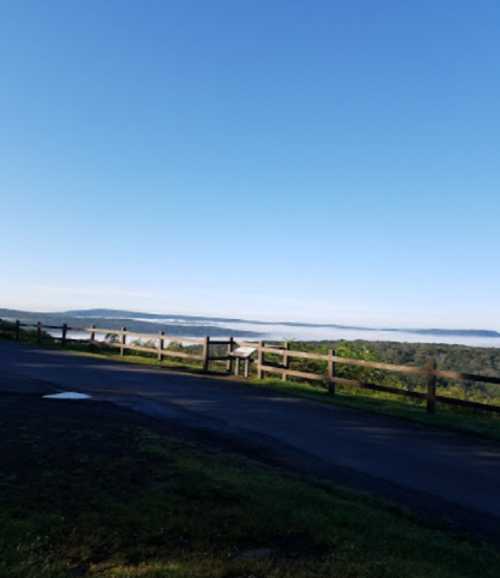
[{"x": 451, "y": 475}]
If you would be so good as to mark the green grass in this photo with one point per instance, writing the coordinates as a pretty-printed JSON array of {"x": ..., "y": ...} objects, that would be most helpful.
[{"x": 89, "y": 492}]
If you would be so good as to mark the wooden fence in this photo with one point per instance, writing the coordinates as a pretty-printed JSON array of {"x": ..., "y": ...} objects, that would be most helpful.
[
  {"x": 122, "y": 343},
  {"x": 160, "y": 350},
  {"x": 40, "y": 328},
  {"x": 430, "y": 373}
]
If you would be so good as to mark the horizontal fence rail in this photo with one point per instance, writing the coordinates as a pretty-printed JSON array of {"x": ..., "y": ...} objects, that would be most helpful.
[
  {"x": 430, "y": 373},
  {"x": 157, "y": 343},
  {"x": 408, "y": 369},
  {"x": 40, "y": 328},
  {"x": 159, "y": 349}
]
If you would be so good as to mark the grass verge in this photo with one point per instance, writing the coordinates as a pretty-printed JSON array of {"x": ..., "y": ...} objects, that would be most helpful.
[{"x": 88, "y": 489}]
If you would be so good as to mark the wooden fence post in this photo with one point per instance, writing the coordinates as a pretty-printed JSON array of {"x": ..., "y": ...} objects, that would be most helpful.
[
  {"x": 230, "y": 347},
  {"x": 431, "y": 386},
  {"x": 286, "y": 360},
  {"x": 123, "y": 341},
  {"x": 39, "y": 332},
  {"x": 161, "y": 345},
  {"x": 206, "y": 353},
  {"x": 260, "y": 359},
  {"x": 64, "y": 334},
  {"x": 332, "y": 370},
  {"x": 18, "y": 330},
  {"x": 92, "y": 334}
]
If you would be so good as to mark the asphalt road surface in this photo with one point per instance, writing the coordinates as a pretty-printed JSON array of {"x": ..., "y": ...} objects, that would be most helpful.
[{"x": 445, "y": 475}]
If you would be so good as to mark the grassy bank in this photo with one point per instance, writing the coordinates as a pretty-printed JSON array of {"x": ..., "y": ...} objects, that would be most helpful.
[{"x": 91, "y": 490}]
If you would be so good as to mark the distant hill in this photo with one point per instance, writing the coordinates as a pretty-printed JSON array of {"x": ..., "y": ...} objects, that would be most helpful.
[
  {"x": 195, "y": 325},
  {"x": 456, "y": 332},
  {"x": 110, "y": 313},
  {"x": 117, "y": 320}
]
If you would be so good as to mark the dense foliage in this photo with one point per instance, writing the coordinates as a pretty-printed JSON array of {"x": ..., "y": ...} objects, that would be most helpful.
[{"x": 475, "y": 360}]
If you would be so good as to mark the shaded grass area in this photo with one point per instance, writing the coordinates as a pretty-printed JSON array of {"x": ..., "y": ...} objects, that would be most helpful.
[{"x": 88, "y": 489}]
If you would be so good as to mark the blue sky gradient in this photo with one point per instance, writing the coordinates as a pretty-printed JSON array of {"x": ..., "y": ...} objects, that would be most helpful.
[{"x": 323, "y": 161}]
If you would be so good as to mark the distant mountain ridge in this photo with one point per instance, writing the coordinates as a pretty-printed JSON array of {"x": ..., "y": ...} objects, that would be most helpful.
[
  {"x": 137, "y": 323},
  {"x": 151, "y": 322},
  {"x": 430, "y": 331}
]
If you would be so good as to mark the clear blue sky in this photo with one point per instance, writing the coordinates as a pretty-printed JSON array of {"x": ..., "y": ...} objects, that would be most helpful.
[{"x": 312, "y": 160}]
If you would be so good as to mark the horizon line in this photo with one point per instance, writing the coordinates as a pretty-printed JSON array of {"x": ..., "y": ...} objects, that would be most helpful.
[{"x": 228, "y": 317}]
